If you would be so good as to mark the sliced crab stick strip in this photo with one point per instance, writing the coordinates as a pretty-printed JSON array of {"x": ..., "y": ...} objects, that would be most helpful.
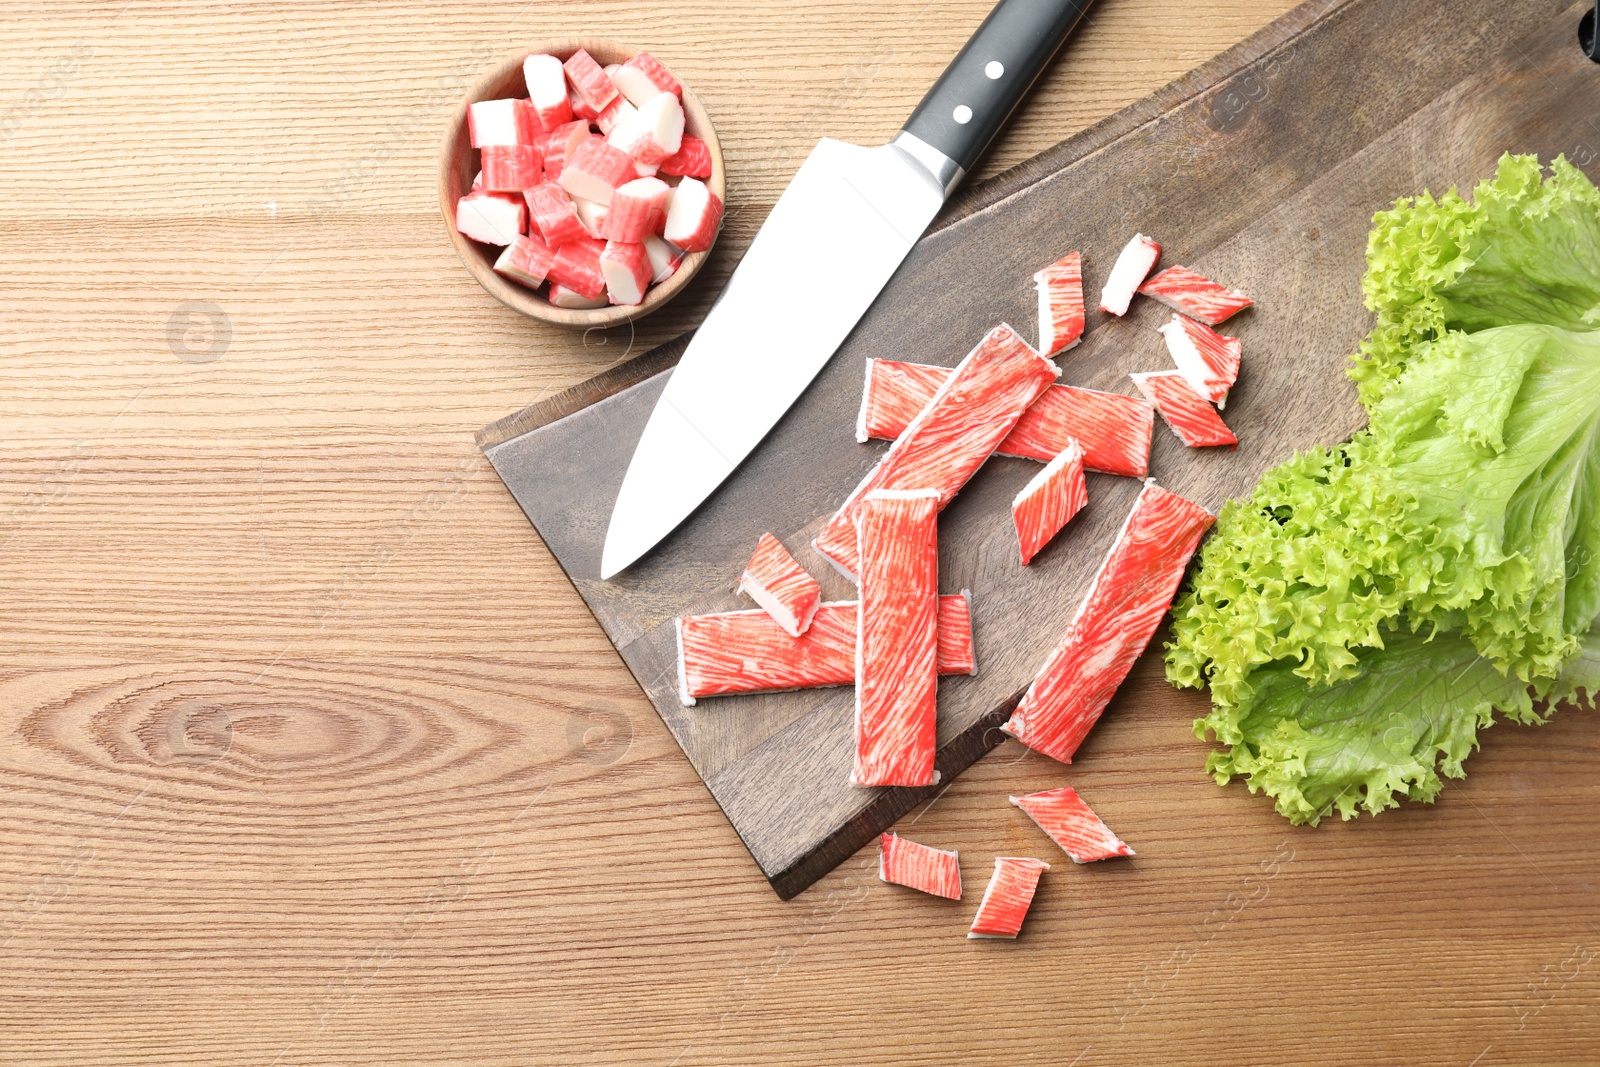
[
  {"x": 560, "y": 143},
  {"x": 897, "y": 638},
  {"x": 594, "y": 170},
  {"x": 501, "y": 122},
  {"x": 1060, "y": 288},
  {"x": 1005, "y": 901},
  {"x": 547, "y": 91},
  {"x": 1197, "y": 296},
  {"x": 664, "y": 259},
  {"x": 511, "y": 168},
  {"x": 642, "y": 78},
  {"x": 554, "y": 215},
  {"x": 493, "y": 218},
  {"x": 781, "y": 586},
  {"x": 928, "y": 870},
  {"x": 527, "y": 260},
  {"x": 1207, "y": 360},
  {"x": 1186, "y": 412},
  {"x": 562, "y": 297},
  {"x": 970, "y": 413},
  {"x": 1063, "y": 815},
  {"x": 589, "y": 80},
  {"x": 1049, "y": 501},
  {"x": 1126, "y": 602},
  {"x": 1113, "y": 429},
  {"x": 1133, "y": 265},
  {"x": 654, "y": 133},
  {"x": 638, "y": 209},
  {"x": 591, "y": 215},
  {"x": 691, "y": 160},
  {"x": 626, "y": 270},
  {"x": 748, "y": 652},
  {"x": 576, "y": 266},
  {"x": 693, "y": 215},
  {"x": 615, "y": 114}
]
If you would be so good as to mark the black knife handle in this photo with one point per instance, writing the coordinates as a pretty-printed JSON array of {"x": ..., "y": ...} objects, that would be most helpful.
[{"x": 988, "y": 78}]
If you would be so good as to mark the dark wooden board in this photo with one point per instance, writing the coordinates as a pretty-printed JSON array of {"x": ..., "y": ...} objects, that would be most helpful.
[{"x": 1262, "y": 169}]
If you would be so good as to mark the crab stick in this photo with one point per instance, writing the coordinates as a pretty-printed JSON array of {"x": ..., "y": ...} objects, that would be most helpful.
[
  {"x": 501, "y": 122},
  {"x": 492, "y": 218},
  {"x": 1197, "y": 296},
  {"x": 1049, "y": 501},
  {"x": 1063, "y": 815},
  {"x": 594, "y": 170},
  {"x": 589, "y": 80},
  {"x": 1207, "y": 360},
  {"x": 928, "y": 870},
  {"x": 1133, "y": 265},
  {"x": 897, "y": 638},
  {"x": 970, "y": 413},
  {"x": 562, "y": 297},
  {"x": 1113, "y": 429},
  {"x": 1006, "y": 900},
  {"x": 637, "y": 210},
  {"x": 693, "y": 214},
  {"x": 748, "y": 652},
  {"x": 781, "y": 586},
  {"x": 511, "y": 168},
  {"x": 664, "y": 259},
  {"x": 576, "y": 266},
  {"x": 547, "y": 91},
  {"x": 1060, "y": 288},
  {"x": 554, "y": 214},
  {"x": 643, "y": 77},
  {"x": 653, "y": 133},
  {"x": 626, "y": 270},
  {"x": 1126, "y": 602},
  {"x": 559, "y": 143},
  {"x": 691, "y": 160},
  {"x": 526, "y": 260},
  {"x": 1185, "y": 411}
]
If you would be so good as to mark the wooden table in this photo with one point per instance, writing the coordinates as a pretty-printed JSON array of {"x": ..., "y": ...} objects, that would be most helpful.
[{"x": 312, "y": 756}]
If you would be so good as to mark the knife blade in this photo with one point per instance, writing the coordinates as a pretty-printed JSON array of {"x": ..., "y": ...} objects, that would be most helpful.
[{"x": 844, "y": 224}]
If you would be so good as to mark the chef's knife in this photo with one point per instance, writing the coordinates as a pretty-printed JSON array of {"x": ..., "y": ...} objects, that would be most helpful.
[{"x": 829, "y": 246}]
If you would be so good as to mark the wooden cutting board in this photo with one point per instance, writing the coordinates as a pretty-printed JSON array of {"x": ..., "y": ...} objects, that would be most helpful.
[{"x": 1261, "y": 169}]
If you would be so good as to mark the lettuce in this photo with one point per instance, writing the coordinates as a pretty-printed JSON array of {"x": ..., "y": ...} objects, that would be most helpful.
[{"x": 1363, "y": 614}]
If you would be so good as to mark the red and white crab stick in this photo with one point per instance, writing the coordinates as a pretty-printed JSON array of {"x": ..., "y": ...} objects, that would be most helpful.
[
  {"x": 1195, "y": 295},
  {"x": 1185, "y": 411},
  {"x": 969, "y": 414},
  {"x": 748, "y": 652},
  {"x": 1125, "y": 603},
  {"x": 1060, "y": 288},
  {"x": 1133, "y": 265},
  {"x": 1114, "y": 429},
  {"x": 934, "y": 871},
  {"x": 897, "y": 638},
  {"x": 1208, "y": 361},
  {"x": 1049, "y": 501},
  {"x": 781, "y": 586},
  {"x": 1063, "y": 815},
  {"x": 1005, "y": 901}
]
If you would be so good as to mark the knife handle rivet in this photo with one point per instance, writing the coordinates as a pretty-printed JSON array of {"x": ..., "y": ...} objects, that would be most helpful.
[
  {"x": 994, "y": 69},
  {"x": 962, "y": 114}
]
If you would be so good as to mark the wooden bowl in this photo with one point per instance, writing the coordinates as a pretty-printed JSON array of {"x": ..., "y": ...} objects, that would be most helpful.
[{"x": 459, "y": 162}]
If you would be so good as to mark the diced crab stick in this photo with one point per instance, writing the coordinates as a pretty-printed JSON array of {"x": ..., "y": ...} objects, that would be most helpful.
[
  {"x": 1186, "y": 412},
  {"x": 626, "y": 270},
  {"x": 1060, "y": 288},
  {"x": 562, "y": 297},
  {"x": 527, "y": 260},
  {"x": 493, "y": 218},
  {"x": 693, "y": 214},
  {"x": 547, "y": 91},
  {"x": 642, "y": 78},
  {"x": 781, "y": 586},
  {"x": 748, "y": 652},
  {"x": 554, "y": 215},
  {"x": 638, "y": 209},
  {"x": 970, "y": 413},
  {"x": 1049, "y": 501},
  {"x": 594, "y": 170},
  {"x": 1063, "y": 815},
  {"x": 653, "y": 133},
  {"x": 559, "y": 143},
  {"x": 897, "y": 638},
  {"x": 1005, "y": 901},
  {"x": 501, "y": 122},
  {"x": 691, "y": 160},
  {"x": 580, "y": 107},
  {"x": 921, "y": 867},
  {"x": 592, "y": 83},
  {"x": 614, "y": 114},
  {"x": 592, "y": 215},
  {"x": 646, "y": 170},
  {"x": 664, "y": 259},
  {"x": 1126, "y": 602},
  {"x": 1197, "y": 296},
  {"x": 1207, "y": 360},
  {"x": 576, "y": 266},
  {"x": 511, "y": 168},
  {"x": 1133, "y": 265}
]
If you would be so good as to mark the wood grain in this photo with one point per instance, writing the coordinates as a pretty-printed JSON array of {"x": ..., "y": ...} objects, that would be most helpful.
[{"x": 313, "y": 756}]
